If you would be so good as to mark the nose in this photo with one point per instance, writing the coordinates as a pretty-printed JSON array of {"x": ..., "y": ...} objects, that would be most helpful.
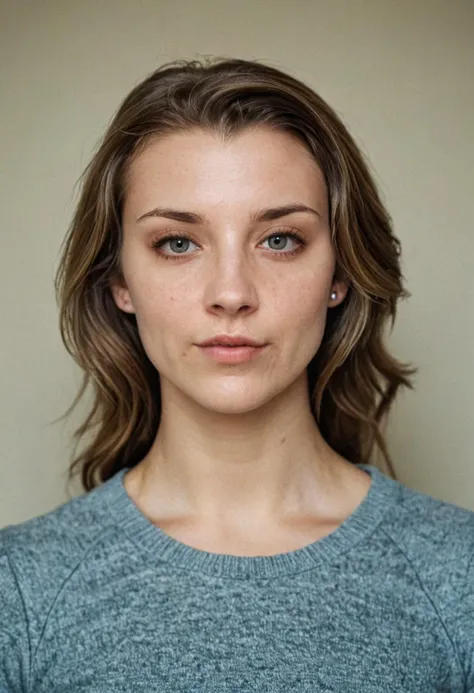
[{"x": 230, "y": 287}]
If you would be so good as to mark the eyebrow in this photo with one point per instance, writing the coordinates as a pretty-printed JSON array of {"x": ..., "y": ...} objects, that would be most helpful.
[{"x": 193, "y": 218}]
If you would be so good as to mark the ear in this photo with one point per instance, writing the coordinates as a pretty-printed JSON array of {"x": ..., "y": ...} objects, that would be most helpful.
[
  {"x": 341, "y": 288},
  {"x": 121, "y": 295}
]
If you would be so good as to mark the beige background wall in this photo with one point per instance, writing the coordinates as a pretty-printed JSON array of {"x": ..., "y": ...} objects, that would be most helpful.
[{"x": 400, "y": 73}]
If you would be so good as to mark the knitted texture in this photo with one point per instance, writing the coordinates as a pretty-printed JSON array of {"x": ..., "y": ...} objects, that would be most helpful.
[{"x": 95, "y": 598}]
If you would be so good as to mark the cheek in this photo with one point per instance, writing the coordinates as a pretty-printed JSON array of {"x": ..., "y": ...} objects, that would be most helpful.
[
  {"x": 158, "y": 308},
  {"x": 155, "y": 296},
  {"x": 304, "y": 307},
  {"x": 304, "y": 301},
  {"x": 164, "y": 311}
]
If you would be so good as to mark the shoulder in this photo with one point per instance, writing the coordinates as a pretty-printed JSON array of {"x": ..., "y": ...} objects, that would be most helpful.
[
  {"x": 426, "y": 527},
  {"x": 69, "y": 528},
  {"x": 435, "y": 539},
  {"x": 38, "y": 556}
]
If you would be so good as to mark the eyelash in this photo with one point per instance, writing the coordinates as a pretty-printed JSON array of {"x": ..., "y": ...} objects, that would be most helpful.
[{"x": 171, "y": 237}]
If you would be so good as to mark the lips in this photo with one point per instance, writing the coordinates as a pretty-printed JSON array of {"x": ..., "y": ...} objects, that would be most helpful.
[
  {"x": 230, "y": 341},
  {"x": 232, "y": 355}
]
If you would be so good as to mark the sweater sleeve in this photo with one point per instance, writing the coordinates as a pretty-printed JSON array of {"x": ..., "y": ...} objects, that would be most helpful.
[
  {"x": 465, "y": 624},
  {"x": 14, "y": 642}
]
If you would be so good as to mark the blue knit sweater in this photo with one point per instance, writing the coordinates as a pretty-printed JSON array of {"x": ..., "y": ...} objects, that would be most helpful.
[{"x": 97, "y": 599}]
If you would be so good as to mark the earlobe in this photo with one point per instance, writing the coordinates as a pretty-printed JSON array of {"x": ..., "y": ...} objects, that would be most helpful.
[
  {"x": 338, "y": 293},
  {"x": 122, "y": 297}
]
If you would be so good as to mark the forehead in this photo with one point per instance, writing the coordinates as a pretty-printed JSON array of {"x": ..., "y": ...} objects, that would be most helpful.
[{"x": 259, "y": 165}]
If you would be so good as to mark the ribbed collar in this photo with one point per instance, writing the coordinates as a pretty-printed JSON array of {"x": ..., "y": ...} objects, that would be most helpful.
[{"x": 382, "y": 493}]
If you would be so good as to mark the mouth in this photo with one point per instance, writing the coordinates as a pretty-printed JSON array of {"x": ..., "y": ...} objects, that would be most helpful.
[
  {"x": 239, "y": 353},
  {"x": 230, "y": 346},
  {"x": 231, "y": 341}
]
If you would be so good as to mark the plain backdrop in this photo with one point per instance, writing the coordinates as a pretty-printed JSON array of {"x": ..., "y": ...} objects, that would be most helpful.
[{"x": 401, "y": 75}]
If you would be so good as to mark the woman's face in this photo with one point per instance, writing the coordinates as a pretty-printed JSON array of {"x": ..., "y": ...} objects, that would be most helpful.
[{"x": 235, "y": 274}]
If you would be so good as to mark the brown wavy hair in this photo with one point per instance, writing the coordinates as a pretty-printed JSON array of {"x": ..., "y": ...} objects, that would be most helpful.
[{"x": 352, "y": 379}]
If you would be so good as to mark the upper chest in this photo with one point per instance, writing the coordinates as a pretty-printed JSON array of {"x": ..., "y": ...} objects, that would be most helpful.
[{"x": 328, "y": 630}]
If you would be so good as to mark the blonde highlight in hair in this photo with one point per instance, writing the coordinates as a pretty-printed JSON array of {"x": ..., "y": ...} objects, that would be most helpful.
[{"x": 352, "y": 379}]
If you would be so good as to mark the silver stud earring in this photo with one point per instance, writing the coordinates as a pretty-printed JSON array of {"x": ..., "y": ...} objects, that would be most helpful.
[{"x": 334, "y": 295}]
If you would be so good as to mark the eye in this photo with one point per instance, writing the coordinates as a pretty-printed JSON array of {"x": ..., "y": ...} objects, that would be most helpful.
[
  {"x": 281, "y": 241},
  {"x": 180, "y": 244}
]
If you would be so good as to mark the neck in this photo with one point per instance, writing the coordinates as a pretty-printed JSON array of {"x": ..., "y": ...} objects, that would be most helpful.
[{"x": 266, "y": 464}]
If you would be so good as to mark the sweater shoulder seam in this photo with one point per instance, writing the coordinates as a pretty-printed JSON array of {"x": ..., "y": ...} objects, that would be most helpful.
[
  {"x": 101, "y": 536},
  {"x": 25, "y": 612},
  {"x": 432, "y": 601}
]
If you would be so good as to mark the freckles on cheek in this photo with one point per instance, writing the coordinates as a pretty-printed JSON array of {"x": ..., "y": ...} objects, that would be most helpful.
[
  {"x": 162, "y": 306},
  {"x": 307, "y": 301}
]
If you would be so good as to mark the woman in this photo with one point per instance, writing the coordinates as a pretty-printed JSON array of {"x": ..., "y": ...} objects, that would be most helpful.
[{"x": 224, "y": 286}]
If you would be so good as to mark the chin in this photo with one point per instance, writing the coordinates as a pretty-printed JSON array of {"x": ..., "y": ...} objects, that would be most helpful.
[
  {"x": 231, "y": 401},
  {"x": 232, "y": 405}
]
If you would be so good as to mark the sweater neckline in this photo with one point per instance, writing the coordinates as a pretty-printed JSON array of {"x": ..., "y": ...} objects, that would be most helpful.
[{"x": 382, "y": 493}]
